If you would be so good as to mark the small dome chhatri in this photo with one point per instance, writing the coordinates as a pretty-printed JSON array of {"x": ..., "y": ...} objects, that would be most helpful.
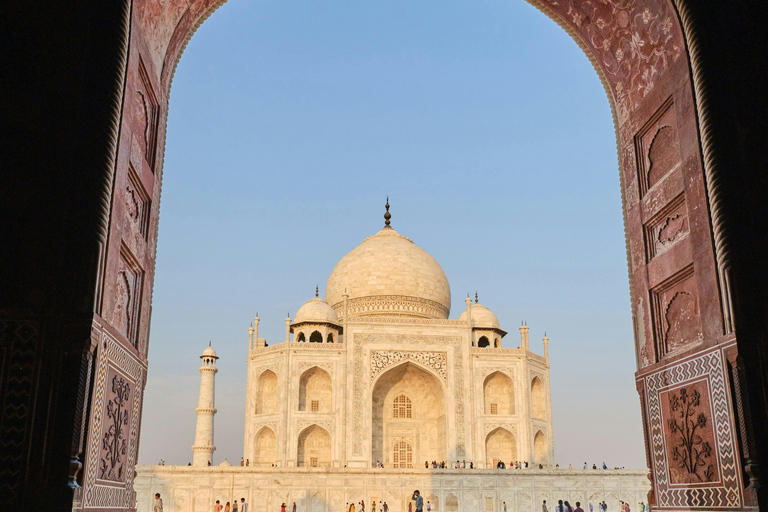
[
  {"x": 481, "y": 316},
  {"x": 316, "y": 311},
  {"x": 388, "y": 274},
  {"x": 209, "y": 352}
]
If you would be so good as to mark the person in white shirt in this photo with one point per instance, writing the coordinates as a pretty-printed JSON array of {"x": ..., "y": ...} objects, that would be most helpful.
[{"x": 243, "y": 505}]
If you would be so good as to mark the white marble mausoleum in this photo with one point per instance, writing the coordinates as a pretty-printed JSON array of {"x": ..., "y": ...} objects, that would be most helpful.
[{"x": 377, "y": 373}]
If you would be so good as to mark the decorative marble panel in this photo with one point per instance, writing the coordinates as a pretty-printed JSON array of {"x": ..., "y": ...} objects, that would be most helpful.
[
  {"x": 676, "y": 313},
  {"x": 658, "y": 147},
  {"x": 114, "y": 426},
  {"x": 667, "y": 228},
  {"x": 137, "y": 203},
  {"x": 692, "y": 442},
  {"x": 127, "y": 295}
]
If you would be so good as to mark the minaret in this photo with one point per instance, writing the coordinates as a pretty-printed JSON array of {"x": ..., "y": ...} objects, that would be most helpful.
[
  {"x": 288, "y": 328},
  {"x": 202, "y": 450},
  {"x": 524, "y": 337},
  {"x": 546, "y": 347}
]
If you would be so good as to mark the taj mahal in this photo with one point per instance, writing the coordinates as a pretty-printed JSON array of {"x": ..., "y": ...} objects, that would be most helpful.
[{"x": 373, "y": 386}]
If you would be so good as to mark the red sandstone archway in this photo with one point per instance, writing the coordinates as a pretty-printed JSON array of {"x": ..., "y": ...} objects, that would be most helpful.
[
  {"x": 678, "y": 249},
  {"x": 678, "y": 277}
]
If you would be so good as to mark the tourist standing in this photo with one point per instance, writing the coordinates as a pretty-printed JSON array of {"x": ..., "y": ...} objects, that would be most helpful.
[
  {"x": 243, "y": 505},
  {"x": 544, "y": 506},
  {"x": 419, "y": 500},
  {"x": 559, "y": 507},
  {"x": 158, "y": 505},
  {"x": 217, "y": 506},
  {"x": 590, "y": 507},
  {"x": 578, "y": 508},
  {"x": 234, "y": 505},
  {"x": 568, "y": 507},
  {"x": 429, "y": 507},
  {"x": 282, "y": 507},
  {"x": 386, "y": 507},
  {"x": 227, "y": 507}
]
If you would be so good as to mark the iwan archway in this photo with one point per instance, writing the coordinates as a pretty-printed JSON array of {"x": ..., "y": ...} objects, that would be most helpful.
[{"x": 684, "y": 245}]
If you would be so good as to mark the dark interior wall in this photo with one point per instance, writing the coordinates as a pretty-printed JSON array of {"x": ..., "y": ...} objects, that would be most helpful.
[
  {"x": 733, "y": 42},
  {"x": 59, "y": 98},
  {"x": 63, "y": 67}
]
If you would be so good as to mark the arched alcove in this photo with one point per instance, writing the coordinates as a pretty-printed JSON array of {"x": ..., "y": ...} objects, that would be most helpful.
[
  {"x": 315, "y": 391},
  {"x": 500, "y": 445},
  {"x": 330, "y": 337},
  {"x": 314, "y": 449},
  {"x": 408, "y": 406},
  {"x": 483, "y": 342},
  {"x": 266, "y": 393},
  {"x": 316, "y": 337},
  {"x": 538, "y": 399},
  {"x": 499, "y": 394},
  {"x": 540, "y": 448},
  {"x": 301, "y": 337},
  {"x": 264, "y": 448}
]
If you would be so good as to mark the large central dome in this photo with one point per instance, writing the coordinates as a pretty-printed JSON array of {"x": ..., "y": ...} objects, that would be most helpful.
[{"x": 388, "y": 274}]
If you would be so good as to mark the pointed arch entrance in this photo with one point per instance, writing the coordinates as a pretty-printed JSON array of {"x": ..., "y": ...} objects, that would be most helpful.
[
  {"x": 500, "y": 445},
  {"x": 407, "y": 407}
]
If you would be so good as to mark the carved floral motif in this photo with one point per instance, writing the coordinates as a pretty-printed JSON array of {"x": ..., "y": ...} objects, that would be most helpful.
[
  {"x": 114, "y": 444},
  {"x": 691, "y": 451},
  {"x": 380, "y": 360},
  {"x": 633, "y": 42}
]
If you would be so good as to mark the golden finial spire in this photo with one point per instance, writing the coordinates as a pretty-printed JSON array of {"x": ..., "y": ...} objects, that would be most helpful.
[
  {"x": 475, "y": 297},
  {"x": 387, "y": 215},
  {"x": 317, "y": 291}
]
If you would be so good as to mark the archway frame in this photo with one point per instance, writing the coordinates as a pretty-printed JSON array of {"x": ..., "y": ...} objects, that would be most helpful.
[
  {"x": 683, "y": 81},
  {"x": 442, "y": 389}
]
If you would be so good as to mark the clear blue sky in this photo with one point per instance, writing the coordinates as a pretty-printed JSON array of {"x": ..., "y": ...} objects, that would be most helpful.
[{"x": 290, "y": 122}]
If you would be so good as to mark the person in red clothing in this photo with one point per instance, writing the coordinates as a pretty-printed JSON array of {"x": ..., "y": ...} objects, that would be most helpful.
[{"x": 578, "y": 508}]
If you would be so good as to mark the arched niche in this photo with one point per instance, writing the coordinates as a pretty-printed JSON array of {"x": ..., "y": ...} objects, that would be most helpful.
[
  {"x": 316, "y": 337},
  {"x": 408, "y": 387},
  {"x": 266, "y": 393},
  {"x": 540, "y": 448},
  {"x": 264, "y": 447},
  {"x": 483, "y": 342},
  {"x": 330, "y": 337},
  {"x": 301, "y": 337},
  {"x": 500, "y": 444},
  {"x": 315, "y": 391},
  {"x": 538, "y": 399},
  {"x": 499, "y": 394},
  {"x": 314, "y": 448}
]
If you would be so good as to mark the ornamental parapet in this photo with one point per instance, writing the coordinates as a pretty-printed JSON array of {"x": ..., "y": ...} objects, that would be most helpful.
[{"x": 294, "y": 345}]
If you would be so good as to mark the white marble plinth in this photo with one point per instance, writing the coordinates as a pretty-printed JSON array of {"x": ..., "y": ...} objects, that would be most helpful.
[{"x": 195, "y": 489}]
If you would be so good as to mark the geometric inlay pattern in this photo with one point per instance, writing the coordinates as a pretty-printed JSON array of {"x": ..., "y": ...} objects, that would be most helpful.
[
  {"x": 18, "y": 355},
  {"x": 725, "y": 489}
]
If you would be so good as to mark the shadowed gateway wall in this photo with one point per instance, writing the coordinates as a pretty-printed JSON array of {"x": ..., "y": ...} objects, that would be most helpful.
[{"x": 84, "y": 125}]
